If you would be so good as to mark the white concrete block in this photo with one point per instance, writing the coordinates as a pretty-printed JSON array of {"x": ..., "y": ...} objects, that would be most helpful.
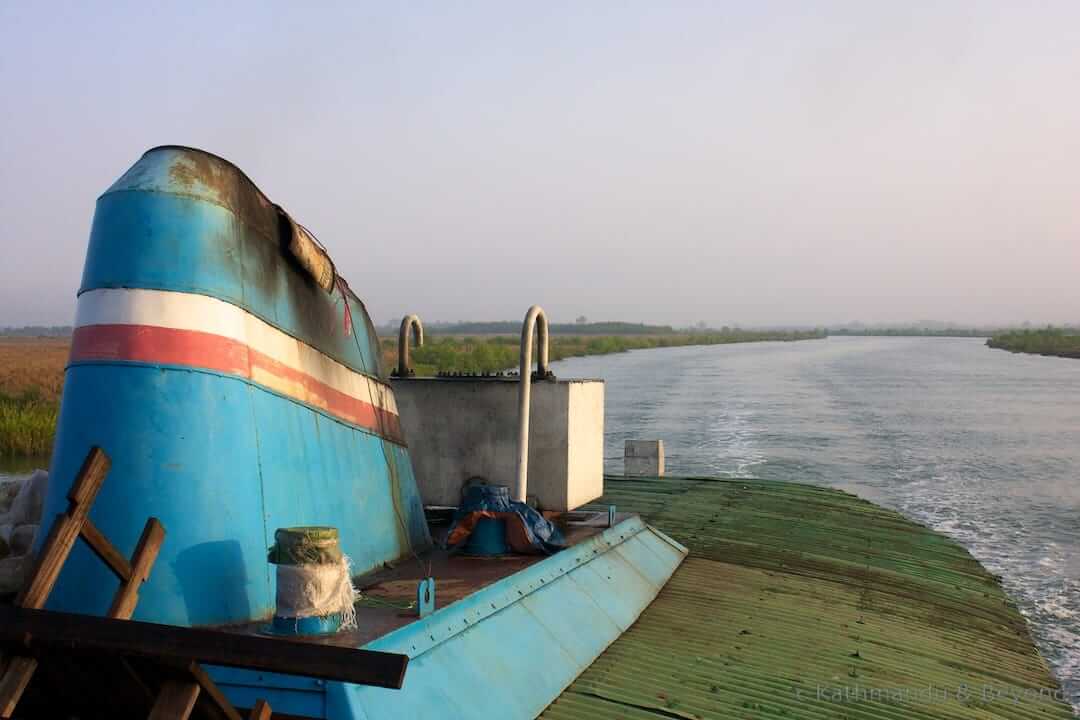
[
  {"x": 459, "y": 428},
  {"x": 643, "y": 458}
]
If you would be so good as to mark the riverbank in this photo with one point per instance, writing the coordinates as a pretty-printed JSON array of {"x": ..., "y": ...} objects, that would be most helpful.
[
  {"x": 31, "y": 379},
  {"x": 32, "y": 369},
  {"x": 499, "y": 352},
  {"x": 1060, "y": 342}
]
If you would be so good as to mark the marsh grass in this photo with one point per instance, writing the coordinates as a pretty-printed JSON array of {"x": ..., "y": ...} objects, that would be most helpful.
[
  {"x": 27, "y": 425},
  {"x": 32, "y": 369},
  {"x": 500, "y": 352},
  {"x": 31, "y": 380}
]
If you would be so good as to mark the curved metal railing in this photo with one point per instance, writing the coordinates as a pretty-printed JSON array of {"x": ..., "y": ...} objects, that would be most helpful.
[
  {"x": 408, "y": 322},
  {"x": 534, "y": 319}
]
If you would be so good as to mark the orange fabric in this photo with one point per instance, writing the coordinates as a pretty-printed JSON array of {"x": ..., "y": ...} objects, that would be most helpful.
[{"x": 516, "y": 536}]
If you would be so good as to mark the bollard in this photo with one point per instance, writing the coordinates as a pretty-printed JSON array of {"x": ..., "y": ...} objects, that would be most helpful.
[{"x": 315, "y": 595}]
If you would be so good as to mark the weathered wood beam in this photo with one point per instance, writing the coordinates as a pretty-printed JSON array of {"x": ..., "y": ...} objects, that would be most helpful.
[
  {"x": 105, "y": 550},
  {"x": 261, "y": 711},
  {"x": 175, "y": 700},
  {"x": 43, "y": 631},
  {"x": 146, "y": 552},
  {"x": 54, "y": 553},
  {"x": 211, "y": 691},
  {"x": 19, "y": 672},
  {"x": 65, "y": 531}
]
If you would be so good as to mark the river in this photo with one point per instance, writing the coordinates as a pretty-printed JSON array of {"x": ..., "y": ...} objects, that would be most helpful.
[{"x": 980, "y": 444}]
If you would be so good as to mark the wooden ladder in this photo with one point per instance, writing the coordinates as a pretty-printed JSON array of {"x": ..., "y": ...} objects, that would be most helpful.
[{"x": 176, "y": 698}]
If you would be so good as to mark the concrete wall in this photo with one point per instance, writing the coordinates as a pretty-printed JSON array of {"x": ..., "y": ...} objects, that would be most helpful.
[
  {"x": 458, "y": 428},
  {"x": 643, "y": 458}
]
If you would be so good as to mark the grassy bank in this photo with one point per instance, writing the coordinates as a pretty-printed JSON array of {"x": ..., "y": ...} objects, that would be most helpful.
[
  {"x": 1063, "y": 342},
  {"x": 31, "y": 379},
  {"x": 27, "y": 424},
  {"x": 32, "y": 370},
  {"x": 494, "y": 353}
]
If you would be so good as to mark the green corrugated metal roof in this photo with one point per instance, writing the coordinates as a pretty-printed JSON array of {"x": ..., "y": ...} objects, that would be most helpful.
[{"x": 794, "y": 593}]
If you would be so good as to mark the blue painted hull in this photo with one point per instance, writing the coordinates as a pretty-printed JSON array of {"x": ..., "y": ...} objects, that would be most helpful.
[
  {"x": 222, "y": 463},
  {"x": 221, "y": 458}
]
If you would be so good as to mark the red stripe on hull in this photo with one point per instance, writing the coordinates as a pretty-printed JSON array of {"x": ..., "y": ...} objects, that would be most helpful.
[{"x": 191, "y": 348}]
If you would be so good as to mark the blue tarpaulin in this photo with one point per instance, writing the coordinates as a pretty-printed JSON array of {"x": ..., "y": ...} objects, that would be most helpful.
[{"x": 527, "y": 531}]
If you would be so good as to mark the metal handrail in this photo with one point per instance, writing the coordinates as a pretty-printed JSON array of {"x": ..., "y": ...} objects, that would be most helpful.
[
  {"x": 535, "y": 318},
  {"x": 407, "y": 322}
]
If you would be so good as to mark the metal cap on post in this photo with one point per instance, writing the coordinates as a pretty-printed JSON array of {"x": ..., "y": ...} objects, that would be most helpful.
[
  {"x": 407, "y": 322},
  {"x": 534, "y": 318}
]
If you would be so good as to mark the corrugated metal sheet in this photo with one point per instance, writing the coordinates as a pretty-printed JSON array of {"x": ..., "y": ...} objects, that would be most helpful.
[{"x": 805, "y": 602}]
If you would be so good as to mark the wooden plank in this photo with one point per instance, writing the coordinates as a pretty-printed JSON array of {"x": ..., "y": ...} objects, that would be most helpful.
[
  {"x": 44, "y": 631},
  {"x": 54, "y": 553},
  {"x": 212, "y": 692},
  {"x": 146, "y": 552},
  {"x": 175, "y": 700},
  {"x": 65, "y": 531},
  {"x": 105, "y": 550},
  {"x": 14, "y": 682},
  {"x": 261, "y": 711},
  {"x": 62, "y": 536},
  {"x": 88, "y": 481},
  {"x": 136, "y": 681}
]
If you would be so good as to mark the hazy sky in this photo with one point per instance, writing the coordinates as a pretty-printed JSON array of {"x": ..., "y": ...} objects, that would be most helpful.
[{"x": 753, "y": 163}]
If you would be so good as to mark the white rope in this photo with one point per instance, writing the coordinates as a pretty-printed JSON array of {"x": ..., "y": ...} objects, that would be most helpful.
[{"x": 317, "y": 591}]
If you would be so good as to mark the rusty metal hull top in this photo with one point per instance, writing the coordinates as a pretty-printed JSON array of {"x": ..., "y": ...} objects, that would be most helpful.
[{"x": 804, "y": 602}]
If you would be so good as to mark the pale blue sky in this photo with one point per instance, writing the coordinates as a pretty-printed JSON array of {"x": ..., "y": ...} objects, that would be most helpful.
[{"x": 754, "y": 163}]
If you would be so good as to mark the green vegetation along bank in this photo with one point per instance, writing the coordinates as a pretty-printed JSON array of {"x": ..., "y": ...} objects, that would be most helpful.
[
  {"x": 1062, "y": 342},
  {"x": 27, "y": 424},
  {"x": 32, "y": 370},
  {"x": 500, "y": 352},
  {"x": 31, "y": 378}
]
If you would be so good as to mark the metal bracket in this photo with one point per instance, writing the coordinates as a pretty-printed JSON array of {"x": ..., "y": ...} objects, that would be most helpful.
[
  {"x": 611, "y": 516},
  {"x": 425, "y": 597}
]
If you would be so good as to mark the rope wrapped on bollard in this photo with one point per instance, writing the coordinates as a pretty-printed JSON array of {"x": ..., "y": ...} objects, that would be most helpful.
[{"x": 315, "y": 593}]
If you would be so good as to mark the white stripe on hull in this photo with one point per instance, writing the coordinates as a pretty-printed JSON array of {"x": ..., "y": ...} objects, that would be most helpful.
[{"x": 201, "y": 313}]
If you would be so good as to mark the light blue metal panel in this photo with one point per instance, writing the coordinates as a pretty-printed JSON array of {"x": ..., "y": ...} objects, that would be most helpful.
[
  {"x": 316, "y": 473},
  {"x": 287, "y": 694},
  {"x": 183, "y": 449},
  {"x": 623, "y": 589},
  {"x": 164, "y": 242},
  {"x": 221, "y": 462},
  {"x": 643, "y": 551},
  {"x": 166, "y": 226},
  {"x": 517, "y": 671},
  {"x": 510, "y": 649},
  {"x": 577, "y": 622}
]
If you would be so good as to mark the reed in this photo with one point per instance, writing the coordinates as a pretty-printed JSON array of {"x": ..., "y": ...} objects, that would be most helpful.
[
  {"x": 32, "y": 369},
  {"x": 27, "y": 425},
  {"x": 31, "y": 381},
  {"x": 500, "y": 352}
]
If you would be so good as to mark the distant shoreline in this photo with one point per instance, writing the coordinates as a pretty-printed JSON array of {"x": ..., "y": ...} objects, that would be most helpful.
[
  {"x": 32, "y": 369},
  {"x": 494, "y": 353},
  {"x": 1049, "y": 342}
]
